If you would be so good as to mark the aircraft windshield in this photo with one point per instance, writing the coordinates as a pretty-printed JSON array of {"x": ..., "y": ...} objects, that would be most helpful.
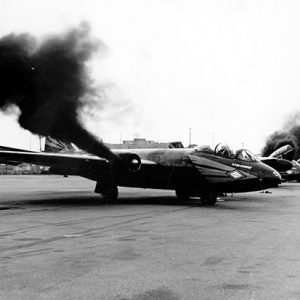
[{"x": 245, "y": 155}]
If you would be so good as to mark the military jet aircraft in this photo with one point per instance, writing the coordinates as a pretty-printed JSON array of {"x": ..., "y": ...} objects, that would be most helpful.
[
  {"x": 289, "y": 170},
  {"x": 293, "y": 173},
  {"x": 199, "y": 172},
  {"x": 276, "y": 161}
]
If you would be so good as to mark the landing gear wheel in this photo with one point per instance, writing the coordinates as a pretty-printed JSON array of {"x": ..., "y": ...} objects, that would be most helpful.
[
  {"x": 182, "y": 195},
  {"x": 208, "y": 199},
  {"x": 111, "y": 195},
  {"x": 107, "y": 187}
]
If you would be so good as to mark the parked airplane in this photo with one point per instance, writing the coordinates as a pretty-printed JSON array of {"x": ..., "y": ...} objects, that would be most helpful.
[
  {"x": 276, "y": 161},
  {"x": 293, "y": 173},
  {"x": 199, "y": 172},
  {"x": 289, "y": 170}
]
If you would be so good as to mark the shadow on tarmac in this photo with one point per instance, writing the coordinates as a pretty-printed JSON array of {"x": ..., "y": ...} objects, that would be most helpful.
[
  {"x": 88, "y": 199},
  {"x": 97, "y": 201},
  {"x": 91, "y": 200}
]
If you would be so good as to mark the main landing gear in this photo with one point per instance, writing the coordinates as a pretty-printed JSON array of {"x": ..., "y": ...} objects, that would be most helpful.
[
  {"x": 206, "y": 198},
  {"x": 107, "y": 188}
]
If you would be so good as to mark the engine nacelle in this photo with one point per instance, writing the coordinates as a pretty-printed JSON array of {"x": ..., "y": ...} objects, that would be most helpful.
[{"x": 130, "y": 161}]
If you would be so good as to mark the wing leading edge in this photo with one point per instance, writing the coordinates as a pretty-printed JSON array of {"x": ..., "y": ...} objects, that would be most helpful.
[{"x": 67, "y": 161}]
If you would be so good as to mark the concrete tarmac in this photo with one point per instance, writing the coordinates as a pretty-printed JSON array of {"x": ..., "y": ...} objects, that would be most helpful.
[{"x": 59, "y": 241}]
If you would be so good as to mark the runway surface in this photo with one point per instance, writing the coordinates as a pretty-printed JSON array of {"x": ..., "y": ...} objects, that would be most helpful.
[{"x": 59, "y": 241}]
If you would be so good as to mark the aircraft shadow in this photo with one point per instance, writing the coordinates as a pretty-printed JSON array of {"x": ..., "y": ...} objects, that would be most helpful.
[{"x": 86, "y": 201}]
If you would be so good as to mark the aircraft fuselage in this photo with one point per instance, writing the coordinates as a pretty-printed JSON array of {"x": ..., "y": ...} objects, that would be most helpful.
[{"x": 196, "y": 171}]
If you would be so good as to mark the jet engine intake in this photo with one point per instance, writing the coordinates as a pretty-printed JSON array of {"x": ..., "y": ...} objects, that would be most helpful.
[{"x": 131, "y": 161}]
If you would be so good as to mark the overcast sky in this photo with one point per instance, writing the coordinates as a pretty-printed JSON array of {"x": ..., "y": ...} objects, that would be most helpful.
[{"x": 230, "y": 70}]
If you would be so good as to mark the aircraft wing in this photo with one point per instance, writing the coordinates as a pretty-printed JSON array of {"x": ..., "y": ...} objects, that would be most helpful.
[
  {"x": 68, "y": 162},
  {"x": 148, "y": 162}
]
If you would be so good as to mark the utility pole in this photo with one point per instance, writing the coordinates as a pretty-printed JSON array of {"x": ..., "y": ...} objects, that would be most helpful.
[
  {"x": 120, "y": 138},
  {"x": 40, "y": 138},
  {"x": 190, "y": 136}
]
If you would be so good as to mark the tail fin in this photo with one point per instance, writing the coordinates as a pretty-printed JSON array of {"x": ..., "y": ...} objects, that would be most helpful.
[{"x": 53, "y": 145}]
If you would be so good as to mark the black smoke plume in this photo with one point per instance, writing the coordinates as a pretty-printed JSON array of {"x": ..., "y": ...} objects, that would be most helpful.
[
  {"x": 289, "y": 135},
  {"x": 279, "y": 139},
  {"x": 49, "y": 82},
  {"x": 295, "y": 131}
]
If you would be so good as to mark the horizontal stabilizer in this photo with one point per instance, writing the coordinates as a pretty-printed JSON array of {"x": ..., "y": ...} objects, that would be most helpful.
[{"x": 54, "y": 145}]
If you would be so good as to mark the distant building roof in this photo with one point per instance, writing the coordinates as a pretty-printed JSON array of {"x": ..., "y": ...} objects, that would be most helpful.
[{"x": 142, "y": 143}]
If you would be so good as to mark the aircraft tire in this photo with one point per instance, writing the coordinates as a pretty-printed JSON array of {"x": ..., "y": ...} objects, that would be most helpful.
[
  {"x": 208, "y": 199},
  {"x": 182, "y": 195},
  {"x": 111, "y": 195}
]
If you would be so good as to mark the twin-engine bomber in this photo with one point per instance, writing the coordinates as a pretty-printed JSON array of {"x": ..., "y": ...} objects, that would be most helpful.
[{"x": 199, "y": 172}]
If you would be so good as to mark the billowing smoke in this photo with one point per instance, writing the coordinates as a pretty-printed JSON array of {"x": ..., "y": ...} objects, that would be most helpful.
[
  {"x": 289, "y": 135},
  {"x": 49, "y": 82},
  {"x": 279, "y": 139},
  {"x": 295, "y": 131}
]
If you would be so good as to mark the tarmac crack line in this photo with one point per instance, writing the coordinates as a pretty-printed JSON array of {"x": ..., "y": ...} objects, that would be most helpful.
[
  {"x": 71, "y": 222},
  {"x": 88, "y": 232}
]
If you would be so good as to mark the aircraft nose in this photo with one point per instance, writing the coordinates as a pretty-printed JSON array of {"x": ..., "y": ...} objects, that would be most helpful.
[
  {"x": 269, "y": 177},
  {"x": 275, "y": 175}
]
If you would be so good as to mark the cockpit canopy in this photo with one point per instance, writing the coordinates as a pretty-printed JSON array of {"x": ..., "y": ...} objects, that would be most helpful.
[
  {"x": 245, "y": 155},
  {"x": 224, "y": 151}
]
